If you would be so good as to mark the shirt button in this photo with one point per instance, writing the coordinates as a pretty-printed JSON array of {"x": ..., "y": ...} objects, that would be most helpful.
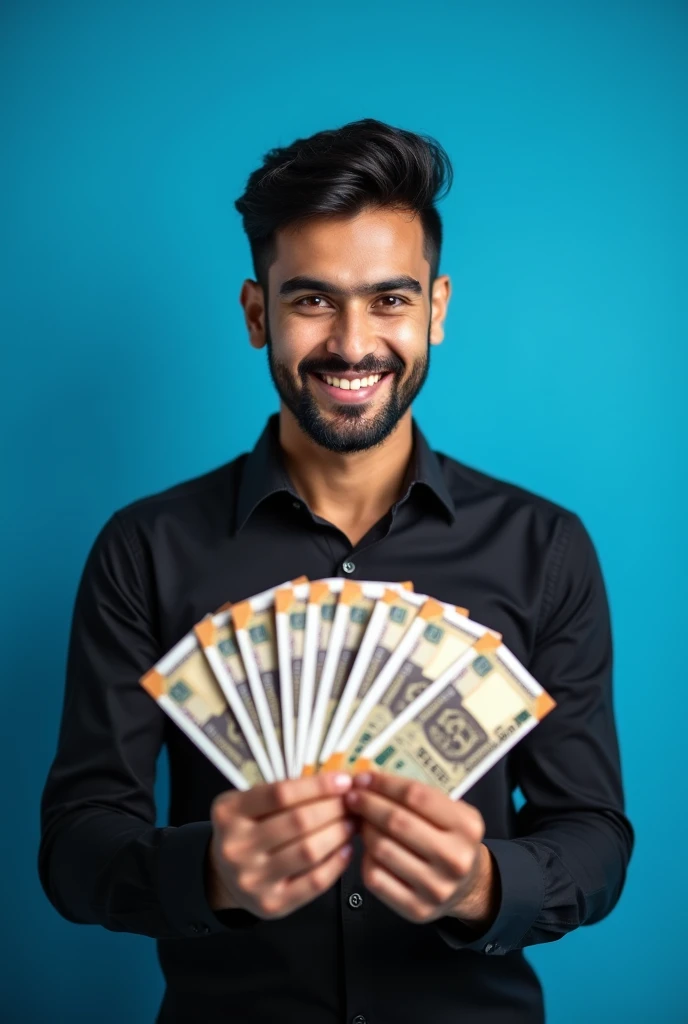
[
  {"x": 296, "y": 504},
  {"x": 359, "y": 1019},
  {"x": 348, "y": 567},
  {"x": 489, "y": 947},
  {"x": 355, "y": 900},
  {"x": 199, "y": 929}
]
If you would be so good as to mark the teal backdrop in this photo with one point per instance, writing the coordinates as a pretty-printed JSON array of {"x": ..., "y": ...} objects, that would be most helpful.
[{"x": 128, "y": 129}]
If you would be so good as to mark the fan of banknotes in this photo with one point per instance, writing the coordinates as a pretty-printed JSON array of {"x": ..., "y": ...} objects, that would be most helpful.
[{"x": 349, "y": 676}]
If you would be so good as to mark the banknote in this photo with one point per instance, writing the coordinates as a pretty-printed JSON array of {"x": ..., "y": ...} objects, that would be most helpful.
[
  {"x": 320, "y": 609},
  {"x": 351, "y": 620},
  {"x": 389, "y": 620},
  {"x": 228, "y": 647},
  {"x": 216, "y": 636},
  {"x": 290, "y": 622},
  {"x": 437, "y": 636},
  {"x": 185, "y": 688},
  {"x": 462, "y": 723},
  {"x": 254, "y": 625}
]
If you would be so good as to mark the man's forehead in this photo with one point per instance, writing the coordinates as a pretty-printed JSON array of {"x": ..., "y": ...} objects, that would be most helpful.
[{"x": 373, "y": 245}]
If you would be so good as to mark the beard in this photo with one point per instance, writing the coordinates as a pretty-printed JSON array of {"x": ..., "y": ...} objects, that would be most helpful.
[{"x": 348, "y": 429}]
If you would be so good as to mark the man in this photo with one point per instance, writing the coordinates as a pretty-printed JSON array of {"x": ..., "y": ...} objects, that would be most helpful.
[{"x": 320, "y": 900}]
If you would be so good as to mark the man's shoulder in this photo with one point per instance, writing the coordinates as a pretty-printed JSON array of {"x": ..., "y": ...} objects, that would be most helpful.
[
  {"x": 467, "y": 484},
  {"x": 202, "y": 495}
]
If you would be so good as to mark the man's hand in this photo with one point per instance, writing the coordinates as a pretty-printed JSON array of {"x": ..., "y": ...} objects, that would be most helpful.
[
  {"x": 424, "y": 853},
  {"x": 279, "y": 845}
]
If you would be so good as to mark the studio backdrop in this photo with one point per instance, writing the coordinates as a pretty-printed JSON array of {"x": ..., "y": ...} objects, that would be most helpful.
[{"x": 128, "y": 129}]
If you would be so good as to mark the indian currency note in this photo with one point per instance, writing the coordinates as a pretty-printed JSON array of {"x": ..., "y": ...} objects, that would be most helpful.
[
  {"x": 463, "y": 723},
  {"x": 389, "y": 620},
  {"x": 254, "y": 625},
  {"x": 437, "y": 636},
  {"x": 217, "y": 638},
  {"x": 352, "y": 616},
  {"x": 290, "y": 620},
  {"x": 223, "y": 653},
  {"x": 320, "y": 610},
  {"x": 185, "y": 688}
]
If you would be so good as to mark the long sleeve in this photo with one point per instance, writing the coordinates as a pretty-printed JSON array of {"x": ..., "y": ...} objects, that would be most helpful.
[
  {"x": 566, "y": 864},
  {"x": 102, "y": 860}
]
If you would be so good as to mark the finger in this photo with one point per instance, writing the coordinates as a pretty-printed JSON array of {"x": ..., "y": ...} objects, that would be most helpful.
[
  {"x": 272, "y": 797},
  {"x": 292, "y": 893},
  {"x": 432, "y": 885},
  {"x": 453, "y": 853},
  {"x": 227, "y": 817},
  {"x": 427, "y": 801},
  {"x": 397, "y": 895},
  {"x": 308, "y": 886},
  {"x": 394, "y": 819},
  {"x": 307, "y": 852},
  {"x": 284, "y": 827}
]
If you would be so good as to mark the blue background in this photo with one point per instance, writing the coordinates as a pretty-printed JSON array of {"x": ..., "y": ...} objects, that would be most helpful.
[{"x": 128, "y": 131}]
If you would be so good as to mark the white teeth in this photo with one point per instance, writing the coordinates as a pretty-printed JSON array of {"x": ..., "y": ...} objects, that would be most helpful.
[{"x": 353, "y": 385}]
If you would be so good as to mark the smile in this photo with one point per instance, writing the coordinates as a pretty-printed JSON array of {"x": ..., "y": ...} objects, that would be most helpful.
[
  {"x": 352, "y": 387},
  {"x": 351, "y": 383}
]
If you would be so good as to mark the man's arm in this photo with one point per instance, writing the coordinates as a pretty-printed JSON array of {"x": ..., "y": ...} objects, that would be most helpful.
[
  {"x": 567, "y": 864},
  {"x": 102, "y": 860}
]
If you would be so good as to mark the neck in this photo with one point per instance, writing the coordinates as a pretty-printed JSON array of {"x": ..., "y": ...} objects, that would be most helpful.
[{"x": 350, "y": 491}]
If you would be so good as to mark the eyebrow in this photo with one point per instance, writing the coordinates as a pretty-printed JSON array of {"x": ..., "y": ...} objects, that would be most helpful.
[{"x": 394, "y": 284}]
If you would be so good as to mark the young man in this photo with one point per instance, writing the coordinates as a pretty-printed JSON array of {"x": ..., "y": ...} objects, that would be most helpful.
[{"x": 318, "y": 900}]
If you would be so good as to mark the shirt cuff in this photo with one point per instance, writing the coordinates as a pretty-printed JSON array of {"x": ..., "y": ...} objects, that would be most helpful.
[
  {"x": 522, "y": 896},
  {"x": 183, "y": 852}
]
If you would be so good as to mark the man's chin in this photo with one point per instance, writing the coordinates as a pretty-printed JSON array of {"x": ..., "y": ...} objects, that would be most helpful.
[{"x": 348, "y": 431}]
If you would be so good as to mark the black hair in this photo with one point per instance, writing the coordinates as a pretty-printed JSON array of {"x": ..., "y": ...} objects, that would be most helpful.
[{"x": 364, "y": 163}]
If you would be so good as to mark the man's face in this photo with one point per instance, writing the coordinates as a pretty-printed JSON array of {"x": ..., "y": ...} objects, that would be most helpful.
[{"x": 348, "y": 325}]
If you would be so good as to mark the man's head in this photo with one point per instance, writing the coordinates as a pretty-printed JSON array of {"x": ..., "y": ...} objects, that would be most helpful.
[{"x": 345, "y": 240}]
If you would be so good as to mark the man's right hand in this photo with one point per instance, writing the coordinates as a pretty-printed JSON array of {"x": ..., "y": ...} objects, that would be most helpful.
[{"x": 279, "y": 845}]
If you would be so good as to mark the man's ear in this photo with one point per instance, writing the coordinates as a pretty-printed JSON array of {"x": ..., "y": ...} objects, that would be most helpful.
[
  {"x": 441, "y": 293},
  {"x": 252, "y": 299}
]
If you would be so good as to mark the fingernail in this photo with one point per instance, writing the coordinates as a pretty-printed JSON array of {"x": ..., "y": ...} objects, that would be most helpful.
[
  {"x": 349, "y": 827},
  {"x": 346, "y": 851},
  {"x": 342, "y": 781},
  {"x": 364, "y": 779},
  {"x": 352, "y": 797}
]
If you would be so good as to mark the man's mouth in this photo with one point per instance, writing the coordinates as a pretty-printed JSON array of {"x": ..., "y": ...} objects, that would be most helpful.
[
  {"x": 351, "y": 387},
  {"x": 351, "y": 383}
]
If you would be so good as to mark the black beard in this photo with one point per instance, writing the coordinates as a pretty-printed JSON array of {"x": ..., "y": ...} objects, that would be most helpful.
[{"x": 349, "y": 432}]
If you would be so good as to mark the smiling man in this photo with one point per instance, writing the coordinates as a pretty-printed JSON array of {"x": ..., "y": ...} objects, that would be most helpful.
[{"x": 319, "y": 900}]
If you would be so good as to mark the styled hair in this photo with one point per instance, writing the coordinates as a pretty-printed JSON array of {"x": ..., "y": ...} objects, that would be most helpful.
[{"x": 363, "y": 164}]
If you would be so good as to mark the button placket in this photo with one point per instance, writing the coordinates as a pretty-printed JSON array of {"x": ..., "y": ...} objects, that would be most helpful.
[{"x": 355, "y": 936}]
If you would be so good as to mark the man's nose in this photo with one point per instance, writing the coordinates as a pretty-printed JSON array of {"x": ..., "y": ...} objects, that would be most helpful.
[{"x": 352, "y": 337}]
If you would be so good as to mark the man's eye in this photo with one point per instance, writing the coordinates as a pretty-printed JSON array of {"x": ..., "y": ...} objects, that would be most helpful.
[
  {"x": 396, "y": 299},
  {"x": 308, "y": 299}
]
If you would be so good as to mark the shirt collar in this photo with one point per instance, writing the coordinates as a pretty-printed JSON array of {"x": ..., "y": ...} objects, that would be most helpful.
[
  {"x": 264, "y": 473},
  {"x": 426, "y": 469}
]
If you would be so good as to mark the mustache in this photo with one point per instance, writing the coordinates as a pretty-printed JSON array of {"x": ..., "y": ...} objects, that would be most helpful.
[{"x": 368, "y": 364}]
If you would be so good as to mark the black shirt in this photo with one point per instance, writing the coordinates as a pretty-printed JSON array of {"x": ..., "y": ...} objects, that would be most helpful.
[{"x": 521, "y": 564}]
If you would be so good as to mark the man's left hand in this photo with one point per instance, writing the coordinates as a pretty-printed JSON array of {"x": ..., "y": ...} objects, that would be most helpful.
[{"x": 424, "y": 855}]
